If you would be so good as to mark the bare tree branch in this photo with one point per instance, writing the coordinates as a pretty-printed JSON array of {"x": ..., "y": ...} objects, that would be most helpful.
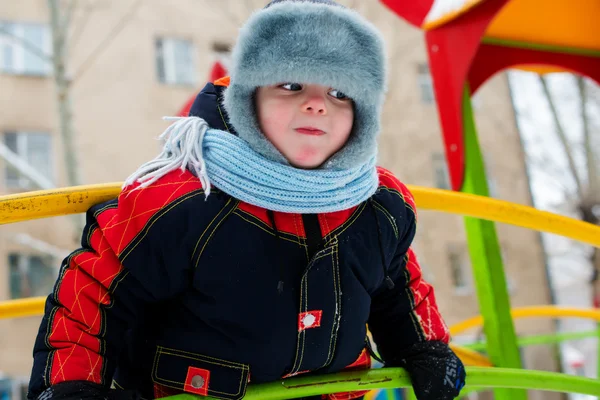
[
  {"x": 78, "y": 30},
  {"x": 27, "y": 45},
  {"x": 66, "y": 22},
  {"x": 592, "y": 166},
  {"x": 551, "y": 177},
  {"x": 107, "y": 40},
  {"x": 546, "y": 164},
  {"x": 594, "y": 93},
  {"x": 63, "y": 96},
  {"x": 562, "y": 137}
]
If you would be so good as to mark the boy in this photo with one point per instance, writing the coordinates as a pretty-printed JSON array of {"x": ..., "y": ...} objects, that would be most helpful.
[{"x": 260, "y": 243}]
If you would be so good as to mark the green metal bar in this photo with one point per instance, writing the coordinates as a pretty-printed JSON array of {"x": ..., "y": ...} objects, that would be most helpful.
[
  {"x": 540, "y": 339},
  {"x": 410, "y": 394},
  {"x": 542, "y": 47},
  {"x": 387, "y": 378},
  {"x": 486, "y": 261},
  {"x": 389, "y": 395}
]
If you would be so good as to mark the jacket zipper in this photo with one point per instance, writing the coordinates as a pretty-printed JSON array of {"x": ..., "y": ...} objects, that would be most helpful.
[{"x": 314, "y": 236}]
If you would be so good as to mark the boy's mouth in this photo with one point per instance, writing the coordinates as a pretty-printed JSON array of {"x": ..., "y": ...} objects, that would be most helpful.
[{"x": 308, "y": 130}]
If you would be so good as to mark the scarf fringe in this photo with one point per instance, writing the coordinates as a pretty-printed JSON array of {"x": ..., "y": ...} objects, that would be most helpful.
[{"x": 182, "y": 150}]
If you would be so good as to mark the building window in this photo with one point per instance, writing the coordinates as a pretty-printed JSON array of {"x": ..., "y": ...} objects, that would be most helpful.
[
  {"x": 17, "y": 58},
  {"x": 440, "y": 171},
  {"x": 35, "y": 149},
  {"x": 425, "y": 84},
  {"x": 462, "y": 275},
  {"x": 30, "y": 275},
  {"x": 175, "y": 61},
  {"x": 460, "y": 269},
  {"x": 5, "y": 387},
  {"x": 14, "y": 388},
  {"x": 221, "y": 54}
]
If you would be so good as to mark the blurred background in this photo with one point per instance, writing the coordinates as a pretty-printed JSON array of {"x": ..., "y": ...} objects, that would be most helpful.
[{"x": 84, "y": 85}]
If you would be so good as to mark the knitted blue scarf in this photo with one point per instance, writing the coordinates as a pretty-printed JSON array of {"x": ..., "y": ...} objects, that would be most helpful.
[{"x": 227, "y": 162}]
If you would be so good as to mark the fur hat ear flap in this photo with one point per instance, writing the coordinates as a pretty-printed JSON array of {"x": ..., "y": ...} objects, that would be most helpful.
[{"x": 310, "y": 41}]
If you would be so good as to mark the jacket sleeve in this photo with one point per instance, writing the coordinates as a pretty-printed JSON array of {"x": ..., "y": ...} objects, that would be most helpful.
[
  {"x": 102, "y": 287},
  {"x": 407, "y": 313}
]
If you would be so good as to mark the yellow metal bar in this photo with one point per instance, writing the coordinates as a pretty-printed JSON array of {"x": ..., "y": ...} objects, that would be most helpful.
[
  {"x": 54, "y": 202},
  {"x": 526, "y": 312},
  {"x": 22, "y": 307},
  {"x": 505, "y": 212},
  {"x": 50, "y": 203},
  {"x": 471, "y": 357}
]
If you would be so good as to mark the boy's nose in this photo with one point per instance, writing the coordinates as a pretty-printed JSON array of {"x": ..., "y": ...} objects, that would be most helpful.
[{"x": 315, "y": 104}]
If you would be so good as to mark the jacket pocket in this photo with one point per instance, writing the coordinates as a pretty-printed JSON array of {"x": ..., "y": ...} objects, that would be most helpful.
[{"x": 198, "y": 374}]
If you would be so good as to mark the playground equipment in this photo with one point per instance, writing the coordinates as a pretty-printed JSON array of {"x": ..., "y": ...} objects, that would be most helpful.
[{"x": 467, "y": 42}]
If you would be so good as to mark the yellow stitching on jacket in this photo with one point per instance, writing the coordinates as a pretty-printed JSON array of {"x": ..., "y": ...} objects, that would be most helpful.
[
  {"x": 220, "y": 362},
  {"x": 156, "y": 378},
  {"x": 413, "y": 316},
  {"x": 117, "y": 385},
  {"x": 88, "y": 239},
  {"x": 299, "y": 339},
  {"x": 389, "y": 217},
  {"x": 301, "y": 239},
  {"x": 214, "y": 230},
  {"x": 340, "y": 229},
  {"x": 49, "y": 332},
  {"x": 263, "y": 223},
  {"x": 106, "y": 207},
  {"x": 238, "y": 213},
  {"x": 401, "y": 195},
  {"x": 304, "y": 330},
  {"x": 222, "y": 117},
  {"x": 203, "y": 356},
  {"x": 324, "y": 253},
  {"x": 331, "y": 350},
  {"x": 147, "y": 227},
  {"x": 208, "y": 227},
  {"x": 338, "y": 292}
]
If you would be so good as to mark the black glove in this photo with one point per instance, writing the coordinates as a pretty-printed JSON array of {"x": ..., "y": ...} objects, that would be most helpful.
[
  {"x": 436, "y": 372},
  {"x": 83, "y": 390}
]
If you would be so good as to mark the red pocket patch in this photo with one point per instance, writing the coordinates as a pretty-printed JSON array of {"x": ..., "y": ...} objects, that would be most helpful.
[
  {"x": 197, "y": 381},
  {"x": 309, "y": 319}
]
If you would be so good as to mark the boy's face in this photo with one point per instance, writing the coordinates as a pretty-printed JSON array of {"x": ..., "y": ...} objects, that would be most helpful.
[{"x": 307, "y": 123}]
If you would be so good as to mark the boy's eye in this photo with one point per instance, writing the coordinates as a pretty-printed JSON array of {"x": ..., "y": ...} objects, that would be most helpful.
[
  {"x": 338, "y": 95},
  {"x": 292, "y": 86}
]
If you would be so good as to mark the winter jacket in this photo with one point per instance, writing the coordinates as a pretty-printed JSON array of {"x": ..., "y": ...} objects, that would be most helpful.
[{"x": 172, "y": 291}]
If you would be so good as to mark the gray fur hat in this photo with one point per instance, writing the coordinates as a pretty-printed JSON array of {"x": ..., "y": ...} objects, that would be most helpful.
[{"x": 309, "y": 41}]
